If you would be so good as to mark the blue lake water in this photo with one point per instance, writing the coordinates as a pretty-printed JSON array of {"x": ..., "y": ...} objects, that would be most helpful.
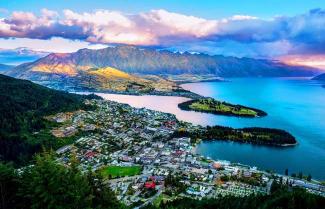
[{"x": 296, "y": 105}]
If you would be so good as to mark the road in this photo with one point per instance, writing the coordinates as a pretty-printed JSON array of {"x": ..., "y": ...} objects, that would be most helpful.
[{"x": 151, "y": 200}]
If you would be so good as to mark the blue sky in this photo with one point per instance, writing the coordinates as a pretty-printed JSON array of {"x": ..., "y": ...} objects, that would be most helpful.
[
  {"x": 275, "y": 29},
  {"x": 207, "y": 8}
]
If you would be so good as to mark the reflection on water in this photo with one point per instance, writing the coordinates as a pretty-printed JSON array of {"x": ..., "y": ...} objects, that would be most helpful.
[{"x": 166, "y": 104}]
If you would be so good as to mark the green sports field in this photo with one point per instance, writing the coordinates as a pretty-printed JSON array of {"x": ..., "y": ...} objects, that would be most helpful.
[{"x": 120, "y": 171}]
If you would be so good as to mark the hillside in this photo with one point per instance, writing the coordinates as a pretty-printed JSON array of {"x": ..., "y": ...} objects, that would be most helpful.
[
  {"x": 22, "y": 108},
  {"x": 149, "y": 61},
  {"x": 112, "y": 79},
  {"x": 107, "y": 79}
]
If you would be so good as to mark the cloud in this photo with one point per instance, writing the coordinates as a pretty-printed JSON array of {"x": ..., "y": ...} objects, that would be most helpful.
[
  {"x": 164, "y": 23},
  {"x": 317, "y": 61},
  {"x": 56, "y": 44},
  {"x": 160, "y": 28},
  {"x": 108, "y": 27}
]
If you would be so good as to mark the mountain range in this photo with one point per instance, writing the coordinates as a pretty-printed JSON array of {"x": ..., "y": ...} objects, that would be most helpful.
[
  {"x": 20, "y": 55},
  {"x": 4, "y": 67},
  {"x": 72, "y": 69}
]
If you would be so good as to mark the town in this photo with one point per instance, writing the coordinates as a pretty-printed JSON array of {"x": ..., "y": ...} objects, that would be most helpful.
[{"x": 144, "y": 162}]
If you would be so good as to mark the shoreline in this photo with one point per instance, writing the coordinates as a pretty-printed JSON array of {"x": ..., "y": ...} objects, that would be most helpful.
[
  {"x": 201, "y": 81},
  {"x": 237, "y": 141},
  {"x": 248, "y": 164},
  {"x": 255, "y": 144},
  {"x": 137, "y": 94},
  {"x": 186, "y": 107},
  {"x": 185, "y": 93}
]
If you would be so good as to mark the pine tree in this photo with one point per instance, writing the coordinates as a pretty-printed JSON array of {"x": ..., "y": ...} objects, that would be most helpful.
[
  {"x": 49, "y": 185},
  {"x": 104, "y": 198},
  {"x": 8, "y": 186}
]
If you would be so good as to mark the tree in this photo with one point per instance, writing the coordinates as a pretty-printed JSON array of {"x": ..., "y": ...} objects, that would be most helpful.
[
  {"x": 103, "y": 196},
  {"x": 286, "y": 172},
  {"x": 8, "y": 186},
  {"x": 50, "y": 185},
  {"x": 309, "y": 177},
  {"x": 80, "y": 195}
]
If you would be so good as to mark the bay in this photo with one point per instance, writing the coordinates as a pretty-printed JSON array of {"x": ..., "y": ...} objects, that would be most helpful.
[{"x": 296, "y": 105}]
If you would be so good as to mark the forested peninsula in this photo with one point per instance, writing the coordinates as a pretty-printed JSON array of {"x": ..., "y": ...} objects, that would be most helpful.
[
  {"x": 253, "y": 135},
  {"x": 210, "y": 105}
]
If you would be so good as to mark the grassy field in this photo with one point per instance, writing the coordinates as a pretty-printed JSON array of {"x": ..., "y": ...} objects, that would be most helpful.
[
  {"x": 209, "y": 105},
  {"x": 120, "y": 171},
  {"x": 203, "y": 105}
]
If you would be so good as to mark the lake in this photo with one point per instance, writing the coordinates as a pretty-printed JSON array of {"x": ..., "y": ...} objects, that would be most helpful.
[{"x": 293, "y": 104}]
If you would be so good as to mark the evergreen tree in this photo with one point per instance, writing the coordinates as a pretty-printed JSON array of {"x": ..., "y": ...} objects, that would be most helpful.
[
  {"x": 8, "y": 186},
  {"x": 49, "y": 185},
  {"x": 309, "y": 177},
  {"x": 286, "y": 172},
  {"x": 104, "y": 198}
]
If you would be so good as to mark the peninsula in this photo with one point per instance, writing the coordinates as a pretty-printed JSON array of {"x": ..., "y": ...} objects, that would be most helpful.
[
  {"x": 253, "y": 135},
  {"x": 210, "y": 105}
]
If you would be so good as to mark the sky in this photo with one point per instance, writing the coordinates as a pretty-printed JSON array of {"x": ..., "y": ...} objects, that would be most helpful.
[{"x": 290, "y": 31}]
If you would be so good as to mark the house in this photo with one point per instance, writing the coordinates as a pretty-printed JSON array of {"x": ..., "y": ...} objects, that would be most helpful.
[
  {"x": 90, "y": 154},
  {"x": 150, "y": 185},
  {"x": 63, "y": 149}
]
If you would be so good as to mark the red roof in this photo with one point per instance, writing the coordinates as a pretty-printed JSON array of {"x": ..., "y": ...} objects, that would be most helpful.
[
  {"x": 90, "y": 154},
  {"x": 179, "y": 152},
  {"x": 150, "y": 185}
]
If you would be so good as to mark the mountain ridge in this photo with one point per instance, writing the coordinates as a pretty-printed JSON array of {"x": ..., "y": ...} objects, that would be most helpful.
[
  {"x": 146, "y": 71},
  {"x": 149, "y": 61},
  {"x": 4, "y": 67}
]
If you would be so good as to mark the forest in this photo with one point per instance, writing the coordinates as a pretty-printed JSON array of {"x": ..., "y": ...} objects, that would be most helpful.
[
  {"x": 49, "y": 185},
  {"x": 254, "y": 135},
  {"x": 23, "y": 129}
]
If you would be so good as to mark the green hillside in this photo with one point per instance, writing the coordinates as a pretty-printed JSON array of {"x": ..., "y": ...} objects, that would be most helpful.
[{"x": 22, "y": 108}]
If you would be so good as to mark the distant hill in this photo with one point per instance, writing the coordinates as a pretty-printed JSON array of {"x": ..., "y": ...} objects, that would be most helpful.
[
  {"x": 132, "y": 59},
  {"x": 5, "y": 67},
  {"x": 22, "y": 108},
  {"x": 320, "y": 77},
  {"x": 97, "y": 79},
  {"x": 108, "y": 78},
  {"x": 20, "y": 55}
]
